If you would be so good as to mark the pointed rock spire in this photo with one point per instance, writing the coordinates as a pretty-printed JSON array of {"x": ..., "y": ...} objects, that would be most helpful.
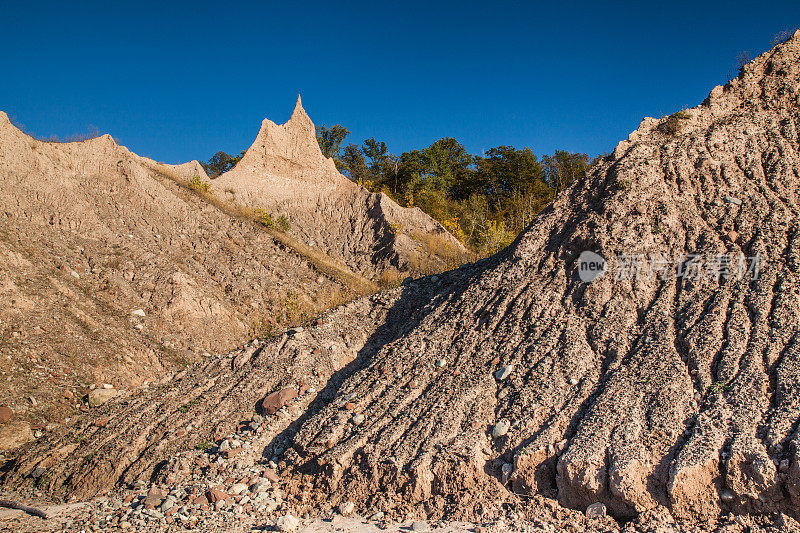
[{"x": 298, "y": 110}]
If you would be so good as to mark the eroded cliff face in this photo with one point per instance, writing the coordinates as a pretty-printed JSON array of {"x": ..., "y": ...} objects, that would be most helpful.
[
  {"x": 643, "y": 388},
  {"x": 112, "y": 273},
  {"x": 285, "y": 173},
  {"x": 670, "y": 384}
]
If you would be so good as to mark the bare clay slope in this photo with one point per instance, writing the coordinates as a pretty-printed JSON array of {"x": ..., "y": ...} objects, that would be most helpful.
[
  {"x": 655, "y": 392},
  {"x": 111, "y": 272},
  {"x": 285, "y": 173},
  {"x": 513, "y": 377}
]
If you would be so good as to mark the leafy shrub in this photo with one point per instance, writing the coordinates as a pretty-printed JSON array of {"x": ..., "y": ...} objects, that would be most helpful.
[
  {"x": 283, "y": 223},
  {"x": 200, "y": 185},
  {"x": 674, "y": 122},
  {"x": 264, "y": 218}
]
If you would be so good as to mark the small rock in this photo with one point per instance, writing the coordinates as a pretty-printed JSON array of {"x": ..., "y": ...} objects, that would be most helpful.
[
  {"x": 377, "y": 516},
  {"x": 216, "y": 495},
  {"x": 138, "y": 312},
  {"x": 224, "y": 446},
  {"x": 273, "y": 402},
  {"x": 573, "y": 381},
  {"x": 501, "y": 428},
  {"x": 287, "y": 522},
  {"x": 260, "y": 487},
  {"x": 504, "y": 372},
  {"x": 733, "y": 200},
  {"x": 98, "y": 397},
  {"x": 33, "y": 401},
  {"x": 347, "y": 508},
  {"x": 419, "y": 525},
  {"x": 270, "y": 474},
  {"x": 441, "y": 363},
  {"x": 295, "y": 330},
  {"x": 238, "y": 488},
  {"x": 596, "y": 510},
  {"x": 505, "y": 472},
  {"x": 357, "y": 420},
  {"x": 726, "y": 495}
]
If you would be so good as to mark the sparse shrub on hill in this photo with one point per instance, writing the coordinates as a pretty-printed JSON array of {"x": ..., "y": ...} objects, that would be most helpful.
[
  {"x": 264, "y": 218},
  {"x": 283, "y": 223},
  {"x": 200, "y": 185},
  {"x": 675, "y": 122}
]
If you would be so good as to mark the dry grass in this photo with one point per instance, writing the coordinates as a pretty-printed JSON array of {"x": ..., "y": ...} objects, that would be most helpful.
[
  {"x": 439, "y": 255},
  {"x": 93, "y": 133},
  {"x": 326, "y": 264},
  {"x": 391, "y": 278}
]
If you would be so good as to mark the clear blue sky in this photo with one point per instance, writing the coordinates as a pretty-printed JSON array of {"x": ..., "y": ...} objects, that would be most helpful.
[{"x": 177, "y": 81}]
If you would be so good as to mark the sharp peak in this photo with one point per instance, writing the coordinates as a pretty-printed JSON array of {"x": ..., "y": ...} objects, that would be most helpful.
[{"x": 299, "y": 112}]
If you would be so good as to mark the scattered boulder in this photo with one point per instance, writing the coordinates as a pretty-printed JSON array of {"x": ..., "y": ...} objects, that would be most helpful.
[
  {"x": 501, "y": 428},
  {"x": 347, "y": 508},
  {"x": 98, "y": 397},
  {"x": 287, "y": 522},
  {"x": 14, "y": 434},
  {"x": 596, "y": 510},
  {"x": 273, "y": 402}
]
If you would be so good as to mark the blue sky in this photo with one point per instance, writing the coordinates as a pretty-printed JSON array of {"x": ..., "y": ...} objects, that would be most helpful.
[{"x": 177, "y": 81}]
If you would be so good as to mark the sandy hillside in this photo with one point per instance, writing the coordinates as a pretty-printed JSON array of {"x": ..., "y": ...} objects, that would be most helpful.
[
  {"x": 661, "y": 396},
  {"x": 285, "y": 173},
  {"x": 110, "y": 272}
]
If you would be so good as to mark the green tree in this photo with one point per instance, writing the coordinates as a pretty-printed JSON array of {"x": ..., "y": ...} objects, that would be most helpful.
[
  {"x": 330, "y": 141},
  {"x": 563, "y": 168},
  {"x": 354, "y": 166},
  {"x": 378, "y": 155},
  {"x": 220, "y": 163}
]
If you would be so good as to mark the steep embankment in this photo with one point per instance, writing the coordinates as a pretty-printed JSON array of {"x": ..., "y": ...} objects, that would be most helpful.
[
  {"x": 636, "y": 391},
  {"x": 478, "y": 392},
  {"x": 285, "y": 173},
  {"x": 113, "y": 273}
]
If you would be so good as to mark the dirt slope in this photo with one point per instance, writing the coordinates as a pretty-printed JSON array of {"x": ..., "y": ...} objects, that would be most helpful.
[
  {"x": 112, "y": 273},
  {"x": 483, "y": 391},
  {"x": 285, "y": 173}
]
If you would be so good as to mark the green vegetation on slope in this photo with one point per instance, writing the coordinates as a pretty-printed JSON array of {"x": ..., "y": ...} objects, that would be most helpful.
[{"x": 485, "y": 201}]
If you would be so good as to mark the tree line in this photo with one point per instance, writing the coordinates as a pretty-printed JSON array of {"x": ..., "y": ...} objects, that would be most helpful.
[{"x": 483, "y": 200}]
